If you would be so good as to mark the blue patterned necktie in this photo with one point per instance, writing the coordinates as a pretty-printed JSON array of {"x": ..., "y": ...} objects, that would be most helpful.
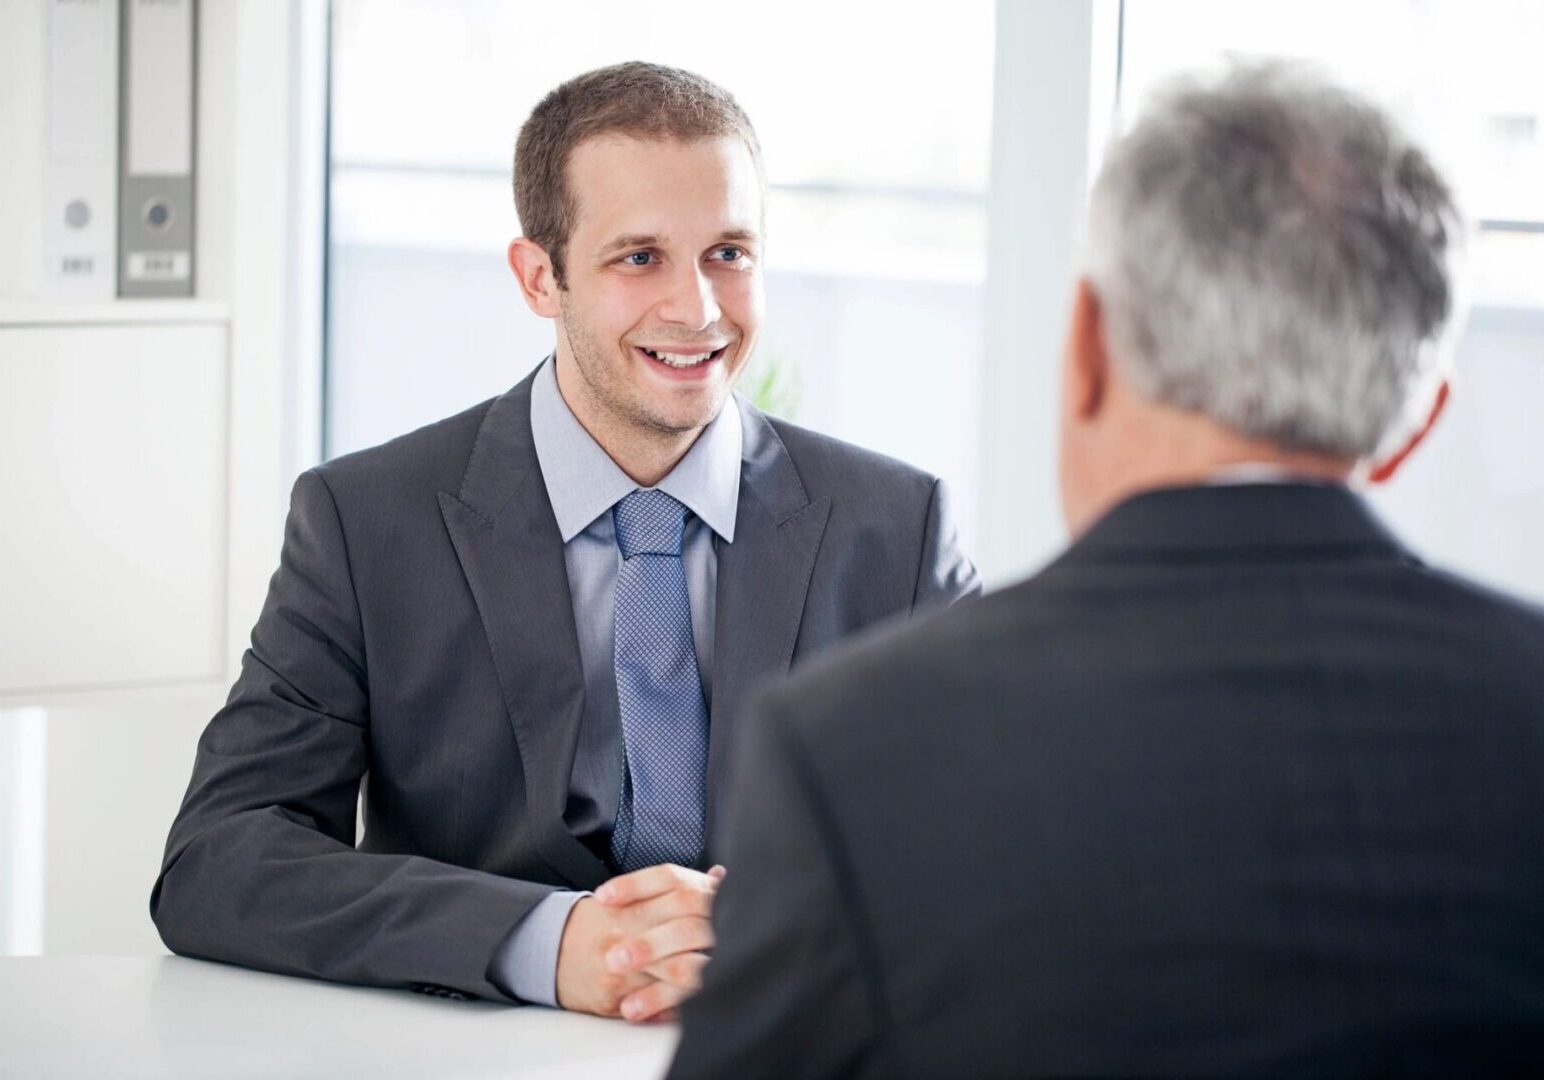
[{"x": 664, "y": 718}]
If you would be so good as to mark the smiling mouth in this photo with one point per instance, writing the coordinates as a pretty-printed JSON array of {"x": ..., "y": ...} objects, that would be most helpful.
[{"x": 683, "y": 360}]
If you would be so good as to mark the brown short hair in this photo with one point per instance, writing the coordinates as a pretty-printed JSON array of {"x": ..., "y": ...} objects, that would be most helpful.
[{"x": 643, "y": 100}]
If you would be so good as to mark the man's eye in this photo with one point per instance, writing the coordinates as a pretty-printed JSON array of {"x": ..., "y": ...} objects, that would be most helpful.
[
  {"x": 638, "y": 258},
  {"x": 729, "y": 254}
]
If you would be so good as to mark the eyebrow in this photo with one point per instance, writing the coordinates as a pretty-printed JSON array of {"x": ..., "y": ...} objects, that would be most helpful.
[
  {"x": 631, "y": 240},
  {"x": 739, "y": 234},
  {"x": 643, "y": 240}
]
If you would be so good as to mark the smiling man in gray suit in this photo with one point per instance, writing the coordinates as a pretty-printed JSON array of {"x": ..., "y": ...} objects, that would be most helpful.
[
  {"x": 529, "y": 630},
  {"x": 1234, "y": 787}
]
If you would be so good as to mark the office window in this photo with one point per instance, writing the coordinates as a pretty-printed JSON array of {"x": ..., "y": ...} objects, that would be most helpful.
[
  {"x": 1464, "y": 78},
  {"x": 878, "y": 163}
]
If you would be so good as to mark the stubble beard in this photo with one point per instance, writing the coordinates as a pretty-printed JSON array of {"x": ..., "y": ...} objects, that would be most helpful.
[{"x": 600, "y": 368}]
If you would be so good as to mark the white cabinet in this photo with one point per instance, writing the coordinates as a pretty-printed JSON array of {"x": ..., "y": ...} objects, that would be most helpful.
[
  {"x": 112, "y": 504},
  {"x": 146, "y": 448}
]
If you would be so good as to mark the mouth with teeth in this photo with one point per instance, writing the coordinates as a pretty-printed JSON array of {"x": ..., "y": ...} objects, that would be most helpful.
[{"x": 680, "y": 361}]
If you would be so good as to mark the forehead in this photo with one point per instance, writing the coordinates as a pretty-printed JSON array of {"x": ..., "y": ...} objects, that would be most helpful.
[{"x": 622, "y": 184}]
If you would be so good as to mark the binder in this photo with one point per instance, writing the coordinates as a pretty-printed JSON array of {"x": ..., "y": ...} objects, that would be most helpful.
[
  {"x": 80, "y": 153},
  {"x": 156, "y": 174}
]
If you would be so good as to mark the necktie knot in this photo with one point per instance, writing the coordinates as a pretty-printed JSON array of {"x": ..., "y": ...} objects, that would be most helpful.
[{"x": 649, "y": 523}]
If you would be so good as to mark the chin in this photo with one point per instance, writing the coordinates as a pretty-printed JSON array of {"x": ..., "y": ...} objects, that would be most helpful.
[
  {"x": 684, "y": 410},
  {"x": 677, "y": 421}
]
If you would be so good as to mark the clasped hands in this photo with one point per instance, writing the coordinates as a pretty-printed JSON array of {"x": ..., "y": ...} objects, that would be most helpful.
[{"x": 637, "y": 948}]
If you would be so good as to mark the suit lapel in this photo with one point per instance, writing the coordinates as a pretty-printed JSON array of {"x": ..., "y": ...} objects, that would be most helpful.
[
  {"x": 763, "y": 579},
  {"x": 512, "y": 555}
]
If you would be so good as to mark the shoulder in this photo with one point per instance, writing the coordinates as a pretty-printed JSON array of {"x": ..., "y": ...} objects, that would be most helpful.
[
  {"x": 429, "y": 460},
  {"x": 1488, "y": 598},
  {"x": 1500, "y": 622},
  {"x": 904, "y": 680},
  {"x": 829, "y": 466}
]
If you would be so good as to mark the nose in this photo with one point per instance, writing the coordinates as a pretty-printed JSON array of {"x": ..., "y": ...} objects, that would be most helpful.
[{"x": 691, "y": 301}]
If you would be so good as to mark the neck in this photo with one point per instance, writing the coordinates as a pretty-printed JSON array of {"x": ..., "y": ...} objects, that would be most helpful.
[
  {"x": 1159, "y": 447},
  {"x": 645, "y": 461},
  {"x": 646, "y": 455}
]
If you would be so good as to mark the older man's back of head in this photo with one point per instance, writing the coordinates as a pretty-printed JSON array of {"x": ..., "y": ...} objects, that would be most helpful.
[
  {"x": 1267, "y": 279},
  {"x": 1236, "y": 785}
]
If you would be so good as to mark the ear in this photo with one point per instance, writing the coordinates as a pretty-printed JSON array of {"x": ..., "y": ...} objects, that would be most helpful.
[
  {"x": 1087, "y": 363},
  {"x": 1382, "y": 471},
  {"x": 533, "y": 270}
]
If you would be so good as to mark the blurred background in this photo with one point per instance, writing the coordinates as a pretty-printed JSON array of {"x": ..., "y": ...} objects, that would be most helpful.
[{"x": 927, "y": 165}]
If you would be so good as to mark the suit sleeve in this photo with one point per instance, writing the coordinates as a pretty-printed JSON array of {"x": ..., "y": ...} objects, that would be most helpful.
[
  {"x": 785, "y": 994},
  {"x": 260, "y": 866},
  {"x": 945, "y": 573}
]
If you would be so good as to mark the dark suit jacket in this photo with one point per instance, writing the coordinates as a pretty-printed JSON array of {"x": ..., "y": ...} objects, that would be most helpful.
[
  {"x": 1234, "y": 786},
  {"x": 419, "y": 635}
]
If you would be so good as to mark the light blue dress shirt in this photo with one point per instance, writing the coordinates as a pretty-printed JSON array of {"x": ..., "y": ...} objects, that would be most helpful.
[{"x": 583, "y": 484}]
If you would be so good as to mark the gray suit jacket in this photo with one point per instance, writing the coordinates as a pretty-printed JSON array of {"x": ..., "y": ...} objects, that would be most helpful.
[{"x": 418, "y": 638}]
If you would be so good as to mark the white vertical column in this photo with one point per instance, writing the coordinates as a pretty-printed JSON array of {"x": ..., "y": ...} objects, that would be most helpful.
[
  {"x": 1053, "y": 102},
  {"x": 277, "y": 119},
  {"x": 23, "y": 770}
]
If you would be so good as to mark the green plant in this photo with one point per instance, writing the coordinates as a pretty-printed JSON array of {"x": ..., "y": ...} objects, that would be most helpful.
[{"x": 772, "y": 385}]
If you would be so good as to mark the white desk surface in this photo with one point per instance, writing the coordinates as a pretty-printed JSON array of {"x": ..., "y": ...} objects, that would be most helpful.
[{"x": 166, "y": 1016}]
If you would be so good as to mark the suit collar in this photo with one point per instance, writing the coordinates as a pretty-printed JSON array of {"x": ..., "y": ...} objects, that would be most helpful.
[
  {"x": 1238, "y": 519},
  {"x": 763, "y": 579},
  {"x": 766, "y": 470},
  {"x": 503, "y": 456},
  {"x": 504, "y": 534}
]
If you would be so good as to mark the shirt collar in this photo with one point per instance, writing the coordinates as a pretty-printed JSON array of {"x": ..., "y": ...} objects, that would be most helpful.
[
  {"x": 583, "y": 482},
  {"x": 1252, "y": 472}
]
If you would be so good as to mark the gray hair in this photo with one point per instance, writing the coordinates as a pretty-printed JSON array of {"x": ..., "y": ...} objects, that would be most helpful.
[{"x": 1271, "y": 251}]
